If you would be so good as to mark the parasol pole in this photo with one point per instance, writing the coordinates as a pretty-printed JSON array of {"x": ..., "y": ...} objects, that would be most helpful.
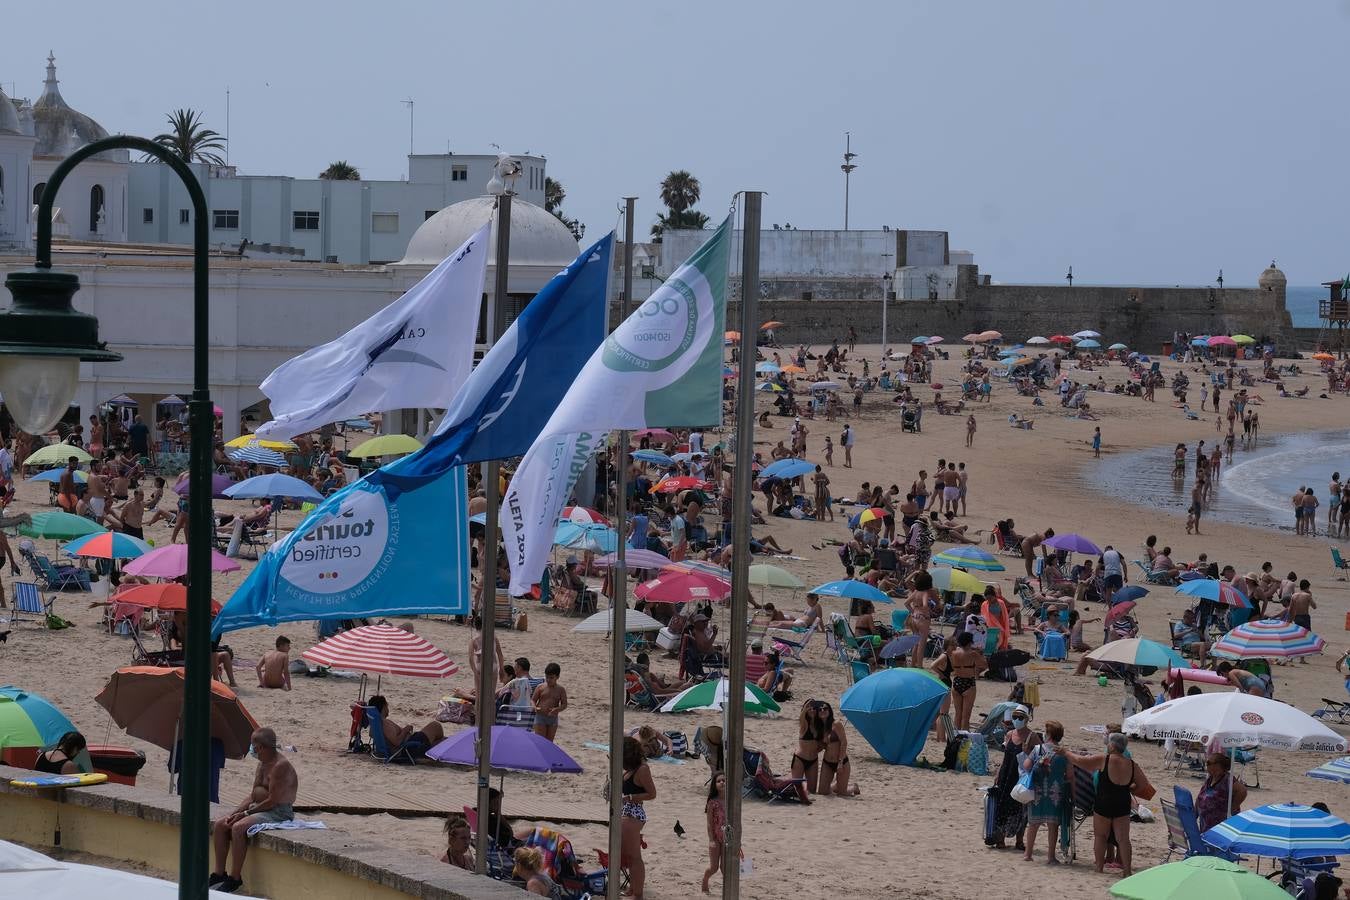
[
  {"x": 734, "y": 729},
  {"x": 619, "y": 604}
]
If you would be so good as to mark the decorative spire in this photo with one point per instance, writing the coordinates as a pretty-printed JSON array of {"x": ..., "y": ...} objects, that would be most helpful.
[{"x": 50, "y": 92}]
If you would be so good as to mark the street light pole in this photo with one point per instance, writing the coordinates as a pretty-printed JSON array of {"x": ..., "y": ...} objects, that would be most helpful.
[
  {"x": 45, "y": 288},
  {"x": 847, "y": 168}
]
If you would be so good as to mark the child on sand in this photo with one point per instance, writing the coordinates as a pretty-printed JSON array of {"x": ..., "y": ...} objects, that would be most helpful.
[
  {"x": 550, "y": 699},
  {"x": 829, "y": 450},
  {"x": 274, "y": 669},
  {"x": 1097, "y": 443}
]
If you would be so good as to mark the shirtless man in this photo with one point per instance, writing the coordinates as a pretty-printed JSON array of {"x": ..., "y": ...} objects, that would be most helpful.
[
  {"x": 951, "y": 489},
  {"x": 274, "y": 669},
  {"x": 1310, "y": 503},
  {"x": 272, "y": 800},
  {"x": 132, "y": 515},
  {"x": 66, "y": 495},
  {"x": 152, "y": 505},
  {"x": 550, "y": 698},
  {"x": 1029, "y": 545},
  {"x": 96, "y": 494},
  {"x": 1300, "y": 606}
]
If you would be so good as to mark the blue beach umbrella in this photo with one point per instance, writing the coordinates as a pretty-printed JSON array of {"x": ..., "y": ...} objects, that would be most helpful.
[
  {"x": 893, "y": 710},
  {"x": 767, "y": 368},
  {"x": 787, "y": 468},
  {"x": 54, "y": 476},
  {"x": 653, "y": 456},
  {"x": 968, "y": 557},
  {"x": 1336, "y": 770},
  {"x": 583, "y": 536},
  {"x": 769, "y": 387},
  {"x": 1282, "y": 831},
  {"x": 256, "y": 455},
  {"x": 1129, "y": 592},
  {"x": 919, "y": 339},
  {"x": 1088, "y": 344},
  {"x": 273, "y": 485},
  {"x": 1216, "y": 590},
  {"x": 108, "y": 545},
  {"x": 1201, "y": 341},
  {"x": 853, "y": 590}
]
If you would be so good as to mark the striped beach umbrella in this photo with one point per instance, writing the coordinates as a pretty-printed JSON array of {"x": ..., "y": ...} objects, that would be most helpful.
[
  {"x": 1214, "y": 589},
  {"x": 108, "y": 545},
  {"x": 251, "y": 440},
  {"x": 382, "y": 650},
  {"x": 584, "y": 514},
  {"x": 1266, "y": 638},
  {"x": 1336, "y": 770},
  {"x": 29, "y": 720},
  {"x": 254, "y": 454},
  {"x": 698, "y": 565},
  {"x": 713, "y": 695},
  {"x": 969, "y": 557},
  {"x": 1282, "y": 831}
]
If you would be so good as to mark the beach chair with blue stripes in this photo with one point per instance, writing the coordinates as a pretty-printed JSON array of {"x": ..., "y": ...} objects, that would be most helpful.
[
  {"x": 28, "y": 600},
  {"x": 379, "y": 746}
]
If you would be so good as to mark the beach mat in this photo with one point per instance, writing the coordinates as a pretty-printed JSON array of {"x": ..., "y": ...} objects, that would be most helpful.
[{"x": 604, "y": 748}]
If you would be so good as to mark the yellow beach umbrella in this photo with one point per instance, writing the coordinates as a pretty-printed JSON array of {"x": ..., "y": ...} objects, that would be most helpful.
[
  {"x": 948, "y": 579},
  {"x": 1243, "y": 339},
  {"x": 245, "y": 440},
  {"x": 54, "y": 454},
  {"x": 387, "y": 445}
]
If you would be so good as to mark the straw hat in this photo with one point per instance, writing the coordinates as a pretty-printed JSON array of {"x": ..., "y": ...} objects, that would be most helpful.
[{"x": 713, "y": 735}]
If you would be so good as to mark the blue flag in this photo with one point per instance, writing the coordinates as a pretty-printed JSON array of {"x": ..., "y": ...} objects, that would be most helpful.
[
  {"x": 513, "y": 391},
  {"x": 396, "y": 542}
]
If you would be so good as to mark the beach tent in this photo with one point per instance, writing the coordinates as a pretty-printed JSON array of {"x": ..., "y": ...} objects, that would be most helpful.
[{"x": 893, "y": 710}]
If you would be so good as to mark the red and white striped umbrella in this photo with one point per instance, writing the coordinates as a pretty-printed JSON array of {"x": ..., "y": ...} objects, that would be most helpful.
[
  {"x": 382, "y": 650},
  {"x": 584, "y": 515}
]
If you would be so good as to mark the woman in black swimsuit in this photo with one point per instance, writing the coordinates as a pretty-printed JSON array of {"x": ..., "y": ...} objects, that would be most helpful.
[
  {"x": 967, "y": 664},
  {"x": 811, "y": 731},
  {"x": 835, "y": 765},
  {"x": 60, "y": 760},
  {"x": 1118, "y": 779}
]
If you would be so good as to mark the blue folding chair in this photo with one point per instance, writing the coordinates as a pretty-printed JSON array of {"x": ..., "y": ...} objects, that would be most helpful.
[
  {"x": 27, "y": 599},
  {"x": 1190, "y": 823},
  {"x": 379, "y": 746}
]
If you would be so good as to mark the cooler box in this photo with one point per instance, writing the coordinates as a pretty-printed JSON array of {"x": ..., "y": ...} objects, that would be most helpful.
[
  {"x": 120, "y": 764},
  {"x": 668, "y": 640}
]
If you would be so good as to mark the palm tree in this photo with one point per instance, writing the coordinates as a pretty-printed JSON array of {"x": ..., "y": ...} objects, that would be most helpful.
[
  {"x": 341, "y": 171},
  {"x": 554, "y": 195},
  {"x": 679, "y": 191},
  {"x": 189, "y": 140}
]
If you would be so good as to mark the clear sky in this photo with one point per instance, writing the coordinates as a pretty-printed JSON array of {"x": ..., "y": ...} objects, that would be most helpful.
[{"x": 1152, "y": 141}]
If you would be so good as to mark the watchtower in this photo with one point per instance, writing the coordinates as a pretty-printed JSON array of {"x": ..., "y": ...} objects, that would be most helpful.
[{"x": 1334, "y": 311}]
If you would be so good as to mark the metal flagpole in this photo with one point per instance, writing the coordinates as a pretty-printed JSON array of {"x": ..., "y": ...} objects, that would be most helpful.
[
  {"x": 487, "y": 607},
  {"x": 733, "y": 734},
  {"x": 619, "y": 605}
]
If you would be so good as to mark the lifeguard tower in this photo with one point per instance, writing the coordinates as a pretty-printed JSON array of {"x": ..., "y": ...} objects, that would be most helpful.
[{"x": 1334, "y": 311}]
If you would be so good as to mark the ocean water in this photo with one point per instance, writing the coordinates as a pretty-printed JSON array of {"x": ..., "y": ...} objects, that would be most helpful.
[
  {"x": 1301, "y": 301},
  {"x": 1254, "y": 490}
]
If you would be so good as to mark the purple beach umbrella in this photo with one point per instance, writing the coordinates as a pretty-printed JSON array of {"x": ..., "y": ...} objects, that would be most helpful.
[
  {"x": 512, "y": 748},
  {"x": 218, "y": 485},
  {"x": 1073, "y": 543}
]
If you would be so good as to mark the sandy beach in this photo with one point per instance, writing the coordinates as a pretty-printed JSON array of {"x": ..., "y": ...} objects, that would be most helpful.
[{"x": 912, "y": 832}]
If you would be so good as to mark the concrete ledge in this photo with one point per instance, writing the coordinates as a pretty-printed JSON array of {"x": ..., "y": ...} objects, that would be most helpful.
[{"x": 141, "y": 825}]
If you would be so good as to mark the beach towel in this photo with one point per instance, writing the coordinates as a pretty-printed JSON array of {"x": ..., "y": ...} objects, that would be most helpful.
[
  {"x": 995, "y": 615},
  {"x": 596, "y": 745},
  {"x": 290, "y": 825}
]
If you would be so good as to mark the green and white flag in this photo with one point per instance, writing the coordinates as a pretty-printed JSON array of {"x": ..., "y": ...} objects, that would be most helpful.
[{"x": 661, "y": 368}]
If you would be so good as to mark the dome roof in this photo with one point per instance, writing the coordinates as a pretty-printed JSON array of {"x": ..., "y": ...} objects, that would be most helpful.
[
  {"x": 1272, "y": 279},
  {"x": 538, "y": 238},
  {"x": 9, "y": 116},
  {"x": 59, "y": 129}
]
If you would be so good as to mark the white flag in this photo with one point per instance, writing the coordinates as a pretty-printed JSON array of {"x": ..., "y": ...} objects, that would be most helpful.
[
  {"x": 416, "y": 352},
  {"x": 662, "y": 367}
]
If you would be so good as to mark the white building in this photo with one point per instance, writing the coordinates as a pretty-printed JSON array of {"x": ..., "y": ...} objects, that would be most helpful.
[{"x": 112, "y": 199}]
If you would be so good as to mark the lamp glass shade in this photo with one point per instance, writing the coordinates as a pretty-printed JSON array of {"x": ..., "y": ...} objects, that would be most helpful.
[{"x": 38, "y": 389}]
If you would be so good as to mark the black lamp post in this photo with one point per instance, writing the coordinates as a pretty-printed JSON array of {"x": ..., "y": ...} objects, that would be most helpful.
[{"x": 42, "y": 341}]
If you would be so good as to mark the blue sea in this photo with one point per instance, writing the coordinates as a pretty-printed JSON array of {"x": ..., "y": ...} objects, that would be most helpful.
[
  {"x": 1255, "y": 489},
  {"x": 1301, "y": 301}
]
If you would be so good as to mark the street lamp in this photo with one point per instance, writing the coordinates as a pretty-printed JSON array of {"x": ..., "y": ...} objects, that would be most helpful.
[
  {"x": 44, "y": 340},
  {"x": 885, "y": 301}
]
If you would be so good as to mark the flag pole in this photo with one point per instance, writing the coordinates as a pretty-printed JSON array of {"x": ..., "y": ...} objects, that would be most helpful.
[
  {"x": 619, "y": 605},
  {"x": 487, "y": 607},
  {"x": 734, "y": 726}
]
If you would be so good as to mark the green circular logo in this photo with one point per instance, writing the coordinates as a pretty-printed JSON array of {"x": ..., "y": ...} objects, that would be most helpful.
[{"x": 663, "y": 328}]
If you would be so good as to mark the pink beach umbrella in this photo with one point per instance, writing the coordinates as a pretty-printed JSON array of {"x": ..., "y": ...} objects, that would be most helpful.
[
  {"x": 683, "y": 587},
  {"x": 171, "y": 562},
  {"x": 634, "y": 559},
  {"x": 1221, "y": 340}
]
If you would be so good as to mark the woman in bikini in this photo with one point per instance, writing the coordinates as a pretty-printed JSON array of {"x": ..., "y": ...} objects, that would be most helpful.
[
  {"x": 811, "y": 731},
  {"x": 967, "y": 664},
  {"x": 921, "y": 603},
  {"x": 638, "y": 788},
  {"x": 835, "y": 767}
]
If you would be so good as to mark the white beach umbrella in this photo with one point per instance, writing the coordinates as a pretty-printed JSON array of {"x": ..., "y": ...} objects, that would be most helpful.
[
  {"x": 1038, "y": 340},
  {"x": 1235, "y": 719},
  {"x": 1087, "y": 333},
  {"x": 603, "y": 622}
]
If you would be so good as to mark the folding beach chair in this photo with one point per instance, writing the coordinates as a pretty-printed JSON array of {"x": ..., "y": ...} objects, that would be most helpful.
[
  {"x": 1190, "y": 824},
  {"x": 27, "y": 600},
  {"x": 759, "y": 783},
  {"x": 1339, "y": 566},
  {"x": 1176, "y": 832},
  {"x": 59, "y": 578},
  {"x": 379, "y": 747},
  {"x": 163, "y": 658},
  {"x": 1151, "y": 576},
  {"x": 1334, "y": 710},
  {"x": 356, "y": 736}
]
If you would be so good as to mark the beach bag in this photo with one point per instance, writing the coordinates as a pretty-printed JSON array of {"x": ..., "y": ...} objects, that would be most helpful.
[
  {"x": 1022, "y": 792},
  {"x": 455, "y": 710},
  {"x": 977, "y": 759},
  {"x": 522, "y": 622},
  {"x": 679, "y": 744}
]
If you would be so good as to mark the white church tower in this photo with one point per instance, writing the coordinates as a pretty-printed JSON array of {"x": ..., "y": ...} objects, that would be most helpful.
[{"x": 16, "y": 160}]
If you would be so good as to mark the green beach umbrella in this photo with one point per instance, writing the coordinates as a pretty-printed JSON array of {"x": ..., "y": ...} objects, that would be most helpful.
[
  {"x": 28, "y": 720},
  {"x": 1200, "y": 876},
  {"x": 59, "y": 526},
  {"x": 771, "y": 576},
  {"x": 713, "y": 695},
  {"x": 54, "y": 454},
  {"x": 1243, "y": 339}
]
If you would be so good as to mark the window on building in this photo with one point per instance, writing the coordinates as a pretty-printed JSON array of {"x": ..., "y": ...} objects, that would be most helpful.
[
  {"x": 95, "y": 205},
  {"x": 184, "y": 216},
  {"x": 384, "y": 223},
  {"x": 226, "y": 219},
  {"x": 147, "y": 215},
  {"x": 459, "y": 173},
  {"x": 305, "y": 221},
  {"x": 429, "y": 213},
  {"x": 37, "y": 192}
]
